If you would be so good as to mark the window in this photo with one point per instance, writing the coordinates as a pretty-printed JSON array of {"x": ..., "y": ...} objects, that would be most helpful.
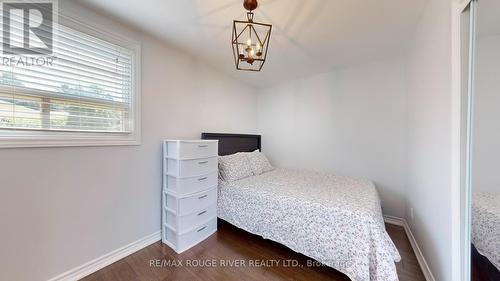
[{"x": 88, "y": 94}]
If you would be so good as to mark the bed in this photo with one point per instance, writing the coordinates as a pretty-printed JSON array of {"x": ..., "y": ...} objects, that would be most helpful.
[
  {"x": 333, "y": 219},
  {"x": 486, "y": 236}
]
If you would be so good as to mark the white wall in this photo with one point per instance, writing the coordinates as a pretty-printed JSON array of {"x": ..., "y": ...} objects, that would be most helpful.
[
  {"x": 62, "y": 207},
  {"x": 350, "y": 122},
  {"x": 429, "y": 138},
  {"x": 486, "y": 137}
]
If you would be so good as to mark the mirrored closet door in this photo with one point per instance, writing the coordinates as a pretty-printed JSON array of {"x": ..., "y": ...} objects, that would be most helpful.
[{"x": 484, "y": 173}]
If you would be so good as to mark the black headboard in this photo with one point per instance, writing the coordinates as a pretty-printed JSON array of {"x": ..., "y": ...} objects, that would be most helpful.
[{"x": 232, "y": 143}]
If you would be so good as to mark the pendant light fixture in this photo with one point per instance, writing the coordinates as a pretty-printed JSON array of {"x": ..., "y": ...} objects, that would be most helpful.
[{"x": 250, "y": 40}]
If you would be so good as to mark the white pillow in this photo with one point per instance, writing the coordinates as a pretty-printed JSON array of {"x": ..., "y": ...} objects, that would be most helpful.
[
  {"x": 259, "y": 163},
  {"x": 234, "y": 167}
]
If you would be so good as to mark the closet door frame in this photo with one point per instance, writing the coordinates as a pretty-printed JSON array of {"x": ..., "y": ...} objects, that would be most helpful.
[{"x": 462, "y": 112}]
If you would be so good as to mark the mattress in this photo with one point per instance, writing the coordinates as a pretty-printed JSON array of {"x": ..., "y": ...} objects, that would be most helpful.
[
  {"x": 335, "y": 220},
  {"x": 486, "y": 225}
]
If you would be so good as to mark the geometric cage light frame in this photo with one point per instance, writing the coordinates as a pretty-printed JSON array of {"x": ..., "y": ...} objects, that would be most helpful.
[{"x": 250, "y": 41}]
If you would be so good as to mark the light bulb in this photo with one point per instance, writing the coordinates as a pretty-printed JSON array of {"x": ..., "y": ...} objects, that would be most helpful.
[
  {"x": 259, "y": 50},
  {"x": 249, "y": 42}
]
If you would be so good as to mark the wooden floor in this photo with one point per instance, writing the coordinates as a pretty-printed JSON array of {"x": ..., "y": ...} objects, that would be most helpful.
[{"x": 232, "y": 244}]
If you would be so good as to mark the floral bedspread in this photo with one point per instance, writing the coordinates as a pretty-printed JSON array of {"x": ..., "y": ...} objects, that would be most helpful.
[
  {"x": 335, "y": 220},
  {"x": 486, "y": 225}
]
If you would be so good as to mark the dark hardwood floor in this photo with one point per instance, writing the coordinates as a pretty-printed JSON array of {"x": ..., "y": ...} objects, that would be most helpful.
[{"x": 232, "y": 244}]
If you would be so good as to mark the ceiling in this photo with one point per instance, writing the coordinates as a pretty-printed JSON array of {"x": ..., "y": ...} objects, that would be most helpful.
[{"x": 309, "y": 36}]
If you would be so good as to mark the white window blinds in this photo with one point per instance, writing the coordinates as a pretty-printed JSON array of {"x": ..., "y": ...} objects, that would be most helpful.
[{"x": 88, "y": 87}]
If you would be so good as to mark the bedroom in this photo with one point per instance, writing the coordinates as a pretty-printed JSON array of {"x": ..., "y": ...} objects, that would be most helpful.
[{"x": 372, "y": 93}]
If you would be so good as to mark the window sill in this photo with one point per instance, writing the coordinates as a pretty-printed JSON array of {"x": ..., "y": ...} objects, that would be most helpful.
[{"x": 67, "y": 140}]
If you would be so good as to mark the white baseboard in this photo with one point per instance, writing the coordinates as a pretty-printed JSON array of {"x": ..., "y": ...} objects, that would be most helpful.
[
  {"x": 416, "y": 249},
  {"x": 394, "y": 220},
  {"x": 109, "y": 258}
]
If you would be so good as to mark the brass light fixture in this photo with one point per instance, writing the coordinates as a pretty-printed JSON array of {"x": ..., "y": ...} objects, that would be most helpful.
[{"x": 250, "y": 40}]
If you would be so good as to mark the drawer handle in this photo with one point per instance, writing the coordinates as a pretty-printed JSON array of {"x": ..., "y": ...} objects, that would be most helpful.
[
  {"x": 204, "y": 196},
  {"x": 203, "y": 162},
  {"x": 203, "y": 145},
  {"x": 202, "y": 213},
  {"x": 202, "y": 179},
  {"x": 201, "y": 229}
]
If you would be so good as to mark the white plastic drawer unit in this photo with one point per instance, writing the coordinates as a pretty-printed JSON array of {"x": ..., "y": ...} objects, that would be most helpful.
[
  {"x": 195, "y": 149},
  {"x": 180, "y": 242},
  {"x": 186, "y": 205},
  {"x": 190, "y": 185},
  {"x": 189, "y": 195},
  {"x": 190, "y": 168},
  {"x": 182, "y": 224}
]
